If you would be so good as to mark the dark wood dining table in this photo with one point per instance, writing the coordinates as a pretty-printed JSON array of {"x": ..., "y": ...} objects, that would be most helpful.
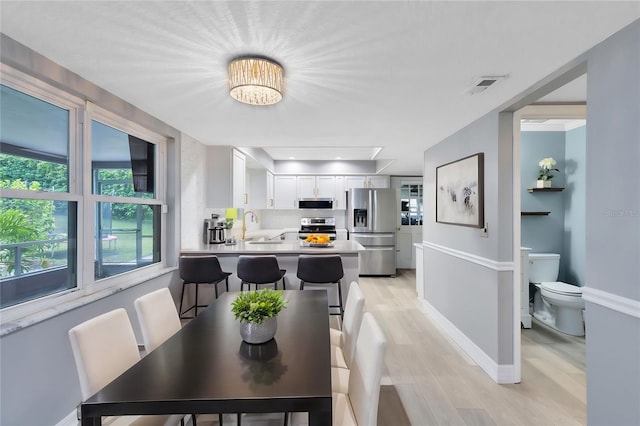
[{"x": 207, "y": 368}]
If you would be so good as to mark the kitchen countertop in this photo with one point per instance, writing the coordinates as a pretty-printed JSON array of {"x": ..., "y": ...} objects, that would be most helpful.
[
  {"x": 268, "y": 234},
  {"x": 274, "y": 247}
]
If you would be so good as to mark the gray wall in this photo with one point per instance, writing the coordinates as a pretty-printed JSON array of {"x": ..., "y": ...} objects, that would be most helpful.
[
  {"x": 543, "y": 234},
  {"x": 613, "y": 227},
  {"x": 479, "y": 306},
  {"x": 573, "y": 267},
  {"x": 612, "y": 221},
  {"x": 39, "y": 382},
  {"x": 38, "y": 379}
]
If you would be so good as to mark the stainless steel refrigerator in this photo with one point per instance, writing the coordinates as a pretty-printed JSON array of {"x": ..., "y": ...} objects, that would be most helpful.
[{"x": 371, "y": 221}]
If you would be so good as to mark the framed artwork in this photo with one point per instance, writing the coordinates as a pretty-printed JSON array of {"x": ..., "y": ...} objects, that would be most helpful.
[{"x": 460, "y": 192}]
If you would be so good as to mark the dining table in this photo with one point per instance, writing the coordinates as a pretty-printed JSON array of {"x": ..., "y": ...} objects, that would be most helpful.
[{"x": 206, "y": 367}]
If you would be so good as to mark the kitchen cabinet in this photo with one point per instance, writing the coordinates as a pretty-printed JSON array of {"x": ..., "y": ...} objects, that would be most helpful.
[
  {"x": 239, "y": 188},
  {"x": 259, "y": 189},
  {"x": 340, "y": 202},
  {"x": 373, "y": 181},
  {"x": 270, "y": 190},
  {"x": 285, "y": 192},
  {"x": 316, "y": 186},
  {"x": 225, "y": 176}
]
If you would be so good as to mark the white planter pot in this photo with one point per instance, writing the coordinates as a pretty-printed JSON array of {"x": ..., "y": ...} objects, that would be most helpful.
[{"x": 543, "y": 184}]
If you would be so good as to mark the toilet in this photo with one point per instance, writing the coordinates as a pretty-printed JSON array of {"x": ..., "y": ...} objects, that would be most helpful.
[{"x": 556, "y": 304}]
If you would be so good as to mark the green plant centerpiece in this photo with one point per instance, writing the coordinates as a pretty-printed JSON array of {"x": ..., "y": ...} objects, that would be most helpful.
[{"x": 257, "y": 312}]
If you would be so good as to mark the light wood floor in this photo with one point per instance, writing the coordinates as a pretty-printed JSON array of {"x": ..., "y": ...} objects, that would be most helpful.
[{"x": 429, "y": 381}]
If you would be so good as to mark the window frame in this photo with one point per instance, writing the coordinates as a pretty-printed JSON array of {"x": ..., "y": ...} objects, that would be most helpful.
[{"x": 81, "y": 113}]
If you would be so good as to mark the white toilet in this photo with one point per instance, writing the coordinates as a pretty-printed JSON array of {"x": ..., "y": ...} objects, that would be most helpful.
[{"x": 557, "y": 304}]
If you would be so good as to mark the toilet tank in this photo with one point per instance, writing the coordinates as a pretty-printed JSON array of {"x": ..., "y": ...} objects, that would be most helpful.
[{"x": 543, "y": 267}]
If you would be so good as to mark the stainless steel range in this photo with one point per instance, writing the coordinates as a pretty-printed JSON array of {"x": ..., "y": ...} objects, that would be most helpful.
[{"x": 317, "y": 225}]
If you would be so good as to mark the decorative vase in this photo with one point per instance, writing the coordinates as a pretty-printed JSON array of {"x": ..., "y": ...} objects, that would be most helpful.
[
  {"x": 256, "y": 334},
  {"x": 543, "y": 183}
]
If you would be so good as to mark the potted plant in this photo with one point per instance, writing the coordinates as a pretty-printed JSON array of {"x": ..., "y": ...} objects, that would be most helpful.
[
  {"x": 545, "y": 175},
  {"x": 257, "y": 312}
]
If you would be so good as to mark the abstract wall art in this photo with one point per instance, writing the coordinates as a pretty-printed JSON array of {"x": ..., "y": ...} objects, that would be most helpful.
[{"x": 460, "y": 192}]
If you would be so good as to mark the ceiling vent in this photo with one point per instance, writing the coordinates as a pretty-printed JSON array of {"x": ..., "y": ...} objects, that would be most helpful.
[{"x": 483, "y": 83}]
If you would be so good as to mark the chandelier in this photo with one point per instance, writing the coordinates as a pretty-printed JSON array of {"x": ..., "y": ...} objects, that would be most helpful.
[{"x": 255, "y": 81}]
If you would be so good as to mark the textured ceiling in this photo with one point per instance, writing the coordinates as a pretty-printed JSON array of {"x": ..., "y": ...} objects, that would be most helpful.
[{"x": 358, "y": 74}]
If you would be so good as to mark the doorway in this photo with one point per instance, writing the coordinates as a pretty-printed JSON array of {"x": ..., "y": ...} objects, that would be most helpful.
[{"x": 549, "y": 107}]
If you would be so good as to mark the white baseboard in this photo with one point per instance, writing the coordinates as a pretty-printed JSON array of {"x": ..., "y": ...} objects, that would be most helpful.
[{"x": 501, "y": 374}]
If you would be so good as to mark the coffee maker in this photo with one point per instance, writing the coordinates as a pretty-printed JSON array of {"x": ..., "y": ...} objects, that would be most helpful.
[{"x": 213, "y": 230}]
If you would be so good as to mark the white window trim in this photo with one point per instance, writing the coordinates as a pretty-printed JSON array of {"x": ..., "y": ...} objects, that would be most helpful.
[{"x": 88, "y": 289}]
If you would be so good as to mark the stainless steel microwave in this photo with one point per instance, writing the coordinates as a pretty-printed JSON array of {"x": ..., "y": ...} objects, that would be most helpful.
[{"x": 315, "y": 203}]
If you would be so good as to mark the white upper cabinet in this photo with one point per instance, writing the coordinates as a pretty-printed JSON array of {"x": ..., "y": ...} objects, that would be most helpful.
[
  {"x": 260, "y": 188},
  {"x": 373, "y": 181},
  {"x": 316, "y": 186},
  {"x": 340, "y": 202},
  {"x": 239, "y": 183},
  {"x": 306, "y": 186},
  {"x": 285, "y": 192},
  {"x": 225, "y": 184},
  {"x": 325, "y": 186},
  {"x": 270, "y": 190}
]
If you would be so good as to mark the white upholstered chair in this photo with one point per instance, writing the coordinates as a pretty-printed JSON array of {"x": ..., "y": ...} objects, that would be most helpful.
[
  {"x": 103, "y": 348},
  {"x": 357, "y": 405},
  {"x": 158, "y": 317},
  {"x": 343, "y": 343},
  {"x": 159, "y": 320}
]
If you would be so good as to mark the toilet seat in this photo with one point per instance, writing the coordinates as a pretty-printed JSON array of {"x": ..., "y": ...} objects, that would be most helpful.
[{"x": 559, "y": 287}]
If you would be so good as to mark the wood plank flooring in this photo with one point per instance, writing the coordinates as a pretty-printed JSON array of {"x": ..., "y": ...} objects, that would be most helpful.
[{"x": 430, "y": 381}]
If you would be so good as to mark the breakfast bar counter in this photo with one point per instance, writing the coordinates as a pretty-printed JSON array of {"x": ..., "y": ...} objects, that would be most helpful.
[
  {"x": 287, "y": 253},
  {"x": 277, "y": 247}
]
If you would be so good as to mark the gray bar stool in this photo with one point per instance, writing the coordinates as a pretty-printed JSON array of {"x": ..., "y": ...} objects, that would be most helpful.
[
  {"x": 259, "y": 270},
  {"x": 200, "y": 270},
  {"x": 322, "y": 269}
]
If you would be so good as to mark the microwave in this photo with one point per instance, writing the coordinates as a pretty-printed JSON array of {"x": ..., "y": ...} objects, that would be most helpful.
[{"x": 315, "y": 203}]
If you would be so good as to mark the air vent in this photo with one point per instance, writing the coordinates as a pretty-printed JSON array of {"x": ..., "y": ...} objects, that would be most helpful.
[{"x": 484, "y": 82}]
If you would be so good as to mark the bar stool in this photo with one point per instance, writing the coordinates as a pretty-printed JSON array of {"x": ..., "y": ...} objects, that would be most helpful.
[
  {"x": 322, "y": 269},
  {"x": 200, "y": 270},
  {"x": 259, "y": 270}
]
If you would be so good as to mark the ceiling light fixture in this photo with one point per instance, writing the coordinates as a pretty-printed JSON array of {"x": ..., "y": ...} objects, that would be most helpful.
[{"x": 255, "y": 81}]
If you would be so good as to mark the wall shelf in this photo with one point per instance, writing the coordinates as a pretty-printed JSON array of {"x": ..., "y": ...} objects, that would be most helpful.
[
  {"x": 534, "y": 213},
  {"x": 545, "y": 189}
]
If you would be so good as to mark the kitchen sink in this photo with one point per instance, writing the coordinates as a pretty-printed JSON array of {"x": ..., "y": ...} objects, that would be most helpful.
[{"x": 265, "y": 242}]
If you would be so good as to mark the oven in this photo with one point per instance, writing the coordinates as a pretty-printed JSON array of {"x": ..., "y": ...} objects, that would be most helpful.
[{"x": 317, "y": 225}]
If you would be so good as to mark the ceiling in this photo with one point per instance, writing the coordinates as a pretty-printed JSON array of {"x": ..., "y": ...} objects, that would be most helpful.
[{"x": 363, "y": 79}]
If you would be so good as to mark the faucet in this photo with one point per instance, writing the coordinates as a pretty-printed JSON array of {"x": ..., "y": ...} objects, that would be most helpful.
[{"x": 244, "y": 221}]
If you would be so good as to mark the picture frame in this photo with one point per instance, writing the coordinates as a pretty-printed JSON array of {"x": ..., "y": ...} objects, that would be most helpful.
[{"x": 460, "y": 192}]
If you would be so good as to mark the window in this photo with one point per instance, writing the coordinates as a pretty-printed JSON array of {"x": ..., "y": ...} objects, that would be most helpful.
[
  {"x": 79, "y": 204},
  {"x": 127, "y": 234},
  {"x": 38, "y": 221},
  {"x": 411, "y": 208}
]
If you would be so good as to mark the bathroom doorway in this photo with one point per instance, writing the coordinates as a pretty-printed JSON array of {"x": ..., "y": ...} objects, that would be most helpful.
[{"x": 539, "y": 349}]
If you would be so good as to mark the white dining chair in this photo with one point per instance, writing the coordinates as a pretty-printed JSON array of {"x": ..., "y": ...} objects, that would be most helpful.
[
  {"x": 159, "y": 320},
  {"x": 103, "y": 348},
  {"x": 343, "y": 342},
  {"x": 357, "y": 403},
  {"x": 158, "y": 317}
]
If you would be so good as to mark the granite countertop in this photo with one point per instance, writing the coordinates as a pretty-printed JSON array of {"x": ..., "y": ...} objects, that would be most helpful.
[{"x": 273, "y": 247}]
